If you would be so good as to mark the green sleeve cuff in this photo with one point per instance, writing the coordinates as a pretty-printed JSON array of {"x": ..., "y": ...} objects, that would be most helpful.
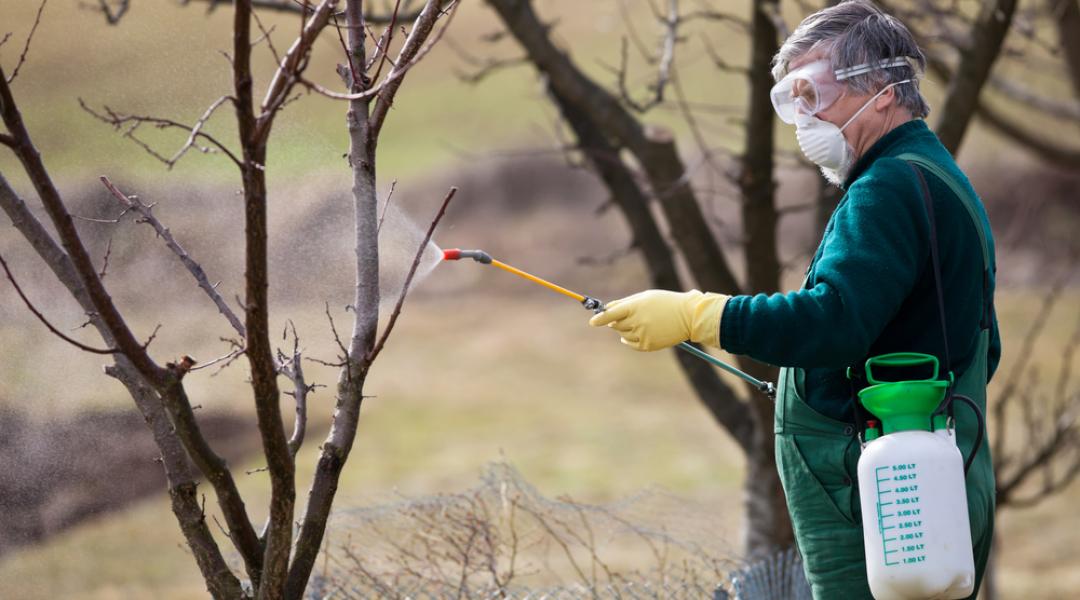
[{"x": 732, "y": 325}]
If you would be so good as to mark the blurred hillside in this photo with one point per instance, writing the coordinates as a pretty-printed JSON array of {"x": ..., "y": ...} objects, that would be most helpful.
[
  {"x": 167, "y": 60},
  {"x": 484, "y": 366}
]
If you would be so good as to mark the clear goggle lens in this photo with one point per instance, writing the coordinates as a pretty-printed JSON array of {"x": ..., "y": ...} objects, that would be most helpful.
[
  {"x": 813, "y": 87},
  {"x": 807, "y": 90}
]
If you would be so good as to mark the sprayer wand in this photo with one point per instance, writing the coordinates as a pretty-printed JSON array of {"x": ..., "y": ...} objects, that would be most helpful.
[{"x": 766, "y": 387}]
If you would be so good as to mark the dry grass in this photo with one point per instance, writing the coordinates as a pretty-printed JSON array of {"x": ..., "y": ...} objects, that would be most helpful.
[
  {"x": 471, "y": 379},
  {"x": 481, "y": 367}
]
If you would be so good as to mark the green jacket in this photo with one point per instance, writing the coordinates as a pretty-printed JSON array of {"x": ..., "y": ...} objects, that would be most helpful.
[{"x": 870, "y": 286}]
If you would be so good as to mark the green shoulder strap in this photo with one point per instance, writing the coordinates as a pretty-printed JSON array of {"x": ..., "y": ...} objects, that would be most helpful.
[{"x": 962, "y": 192}]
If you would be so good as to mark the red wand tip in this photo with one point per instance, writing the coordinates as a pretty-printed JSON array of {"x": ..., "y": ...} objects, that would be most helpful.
[{"x": 451, "y": 254}]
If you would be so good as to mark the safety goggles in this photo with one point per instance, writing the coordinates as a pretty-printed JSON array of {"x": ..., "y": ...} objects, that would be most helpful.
[{"x": 814, "y": 87}]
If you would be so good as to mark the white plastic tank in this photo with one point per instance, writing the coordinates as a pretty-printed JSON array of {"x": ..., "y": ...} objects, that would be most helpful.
[
  {"x": 916, "y": 532},
  {"x": 915, "y": 518}
]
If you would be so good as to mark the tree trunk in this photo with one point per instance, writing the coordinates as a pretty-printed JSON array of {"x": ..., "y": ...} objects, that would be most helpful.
[
  {"x": 977, "y": 58},
  {"x": 604, "y": 129},
  {"x": 989, "y": 589},
  {"x": 768, "y": 527},
  {"x": 1067, "y": 13}
]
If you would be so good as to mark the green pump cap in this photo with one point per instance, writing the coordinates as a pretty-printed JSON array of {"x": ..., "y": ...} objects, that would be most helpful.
[{"x": 903, "y": 405}]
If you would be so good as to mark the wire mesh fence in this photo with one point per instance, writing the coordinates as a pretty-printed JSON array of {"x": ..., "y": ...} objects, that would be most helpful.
[{"x": 502, "y": 539}]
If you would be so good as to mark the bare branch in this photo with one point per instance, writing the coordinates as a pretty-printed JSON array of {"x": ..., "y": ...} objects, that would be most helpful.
[
  {"x": 386, "y": 205},
  {"x": 224, "y": 360},
  {"x": 719, "y": 61},
  {"x": 717, "y": 16},
  {"x": 297, "y": 7},
  {"x": 382, "y": 47},
  {"x": 1012, "y": 379},
  {"x": 265, "y": 35},
  {"x": 344, "y": 356},
  {"x": 632, "y": 33},
  {"x": 112, "y": 16},
  {"x": 415, "y": 48},
  {"x": 293, "y": 369},
  {"x": 26, "y": 47},
  {"x": 483, "y": 66},
  {"x": 772, "y": 11},
  {"x": 132, "y": 123},
  {"x": 105, "y": 261},
  {"x": 707, "y": 153},
  {"x": 196, "y": 130},
  {"x": 41, "y": 317},
  {"x": 72, "y": 243},
  {"x": 182, "y": 486},
  {"x": 389, "y": 85},
  {"x": 350, "y": 76},
  {"x": 1051, "y": 444},
  {"x": 408, "y": 278},
  {"x": 1066, "y": 109},
  {"x": 1037, "y": 143},
  {"x": 666, "y": 55},
  {"x": 290, "y": 68},
  {"x": 196, "y": 270}
]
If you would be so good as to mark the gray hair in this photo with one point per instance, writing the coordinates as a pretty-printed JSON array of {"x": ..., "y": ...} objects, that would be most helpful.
[{"x": 853, "y": 33}]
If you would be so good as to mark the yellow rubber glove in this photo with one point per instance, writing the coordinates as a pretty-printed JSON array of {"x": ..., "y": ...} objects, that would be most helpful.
[{"x": 658, "y": 319}]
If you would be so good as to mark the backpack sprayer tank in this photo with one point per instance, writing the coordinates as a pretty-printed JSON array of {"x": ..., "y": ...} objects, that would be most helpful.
[{"x": 916, "y": 532}]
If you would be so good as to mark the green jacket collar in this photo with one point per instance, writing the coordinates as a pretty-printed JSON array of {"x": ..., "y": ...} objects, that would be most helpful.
[{"x": 888, "y": 145}]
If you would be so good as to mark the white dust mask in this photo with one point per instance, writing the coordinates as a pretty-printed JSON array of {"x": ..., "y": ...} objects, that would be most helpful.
[{"x": 824, "y": 144}]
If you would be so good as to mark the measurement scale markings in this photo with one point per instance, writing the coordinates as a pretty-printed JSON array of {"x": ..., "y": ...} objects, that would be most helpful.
[{"x": 905, "y": 474}]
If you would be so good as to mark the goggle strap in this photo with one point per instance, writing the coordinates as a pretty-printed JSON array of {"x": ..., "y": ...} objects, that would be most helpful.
[{"x": 887, "y": 63}]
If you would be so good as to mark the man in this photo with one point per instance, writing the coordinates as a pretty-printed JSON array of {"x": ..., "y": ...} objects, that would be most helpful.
[{"x": 848, "y": 81}]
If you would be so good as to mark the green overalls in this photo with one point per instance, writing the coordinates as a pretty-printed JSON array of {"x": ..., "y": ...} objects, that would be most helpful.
[{"x": 817, "y": 458}]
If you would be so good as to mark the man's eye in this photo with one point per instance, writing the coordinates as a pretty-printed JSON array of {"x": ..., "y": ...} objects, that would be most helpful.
[{"x": 803, "y": 91}]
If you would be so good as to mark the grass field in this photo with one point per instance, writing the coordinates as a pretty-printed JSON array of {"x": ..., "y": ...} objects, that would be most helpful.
[
  {"x": 481, "y": 369},
  {"x": 472, "y": 377},
  {"x": 454, "y": 393}
]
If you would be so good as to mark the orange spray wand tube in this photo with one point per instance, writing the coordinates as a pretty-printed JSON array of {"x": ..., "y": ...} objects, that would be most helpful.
[{"x": 535, "y": 279}]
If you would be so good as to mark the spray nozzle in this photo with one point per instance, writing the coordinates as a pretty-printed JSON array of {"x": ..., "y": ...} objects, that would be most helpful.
[{"x": 478, "y": 255}]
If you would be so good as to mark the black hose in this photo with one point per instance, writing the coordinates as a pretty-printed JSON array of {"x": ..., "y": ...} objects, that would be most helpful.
[{"x": 978, "y": 434}]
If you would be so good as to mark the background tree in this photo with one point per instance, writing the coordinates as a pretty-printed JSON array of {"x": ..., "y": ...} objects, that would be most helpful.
[
  {"x": 275, "y": 565},
  {"x": 653, "y": 183}
]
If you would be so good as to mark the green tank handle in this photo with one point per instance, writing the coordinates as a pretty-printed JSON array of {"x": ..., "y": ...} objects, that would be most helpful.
[{"x": 901, "y": 360}]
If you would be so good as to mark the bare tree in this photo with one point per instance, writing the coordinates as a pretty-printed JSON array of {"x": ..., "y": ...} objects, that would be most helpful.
[
  {"x": 971, "y": 55},
  {"x": 275, "y": 564}
]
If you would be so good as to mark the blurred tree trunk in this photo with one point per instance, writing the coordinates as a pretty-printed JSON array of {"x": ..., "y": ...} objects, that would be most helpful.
[
  {"x": 766, "y": 506},
  {"x": 989, "y": 589},
  {"x": 606, "y": 130},
  {"x": 977, "y": 57},
  {"x": 1068, "y": 25}
]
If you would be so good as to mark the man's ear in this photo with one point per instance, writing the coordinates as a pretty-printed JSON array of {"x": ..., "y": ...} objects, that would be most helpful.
[{"x": 885, "y": 100}]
